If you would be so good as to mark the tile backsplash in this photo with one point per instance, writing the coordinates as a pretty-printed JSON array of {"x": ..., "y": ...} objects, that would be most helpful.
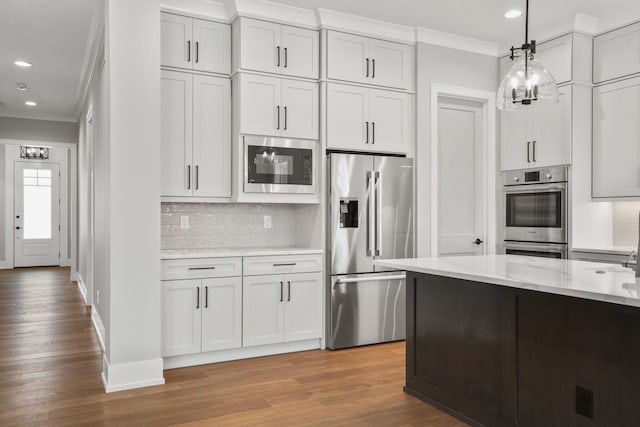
[
  {"x": 226, "y": 225},
  {"x": 625, "y": 223}
]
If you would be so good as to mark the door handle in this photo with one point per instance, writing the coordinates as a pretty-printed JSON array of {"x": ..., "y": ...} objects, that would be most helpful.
[
  {"x": 528, "y": 151},
  {"x": 373, "y": 132},
  {"x": 367, "y": 126},
  {"x": 534, "y": 151},
  {"x": 478, "y": 242},
  {"x": 278, "y": 64},
  {"x": 288, "y": 291},
  {"x": 285, "y": 116},
  {"x": 378, "y": 204},
  {"x": 198, "y": 297},
  {"x": 188, "y": 50},
  {"x": 368, "y": 233},
  {"x": 367, "y": 67},
  {"x": 373, "y": 64},
  {"x": 197, "y": 53},
  {"x": 281, "y": 291},
  {"x": 278, "y": 108}
]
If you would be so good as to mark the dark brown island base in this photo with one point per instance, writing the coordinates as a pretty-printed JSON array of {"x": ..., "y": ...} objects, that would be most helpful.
[{"x": 500, "y": 356}]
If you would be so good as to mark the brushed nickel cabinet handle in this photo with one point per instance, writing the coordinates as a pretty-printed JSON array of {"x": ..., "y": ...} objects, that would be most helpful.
[
  {"x": 198, "y": 297},
  {"x": 285, "y": 264},
  {"x": 206, "y": 297},
  {"x": 286, "y": 60},
  {"x": 373, "y": 64},
  {"x": 366, "y": 124},
  {"x": 367, "y": 68},
  {"x": 373, "y": 132},
  {"x": 528, "y": 151},
  {"x": 285, "y": 118},
  {"x": 278, "y": 108},
  {"x": 281, "y": 291},
  {"x": 198, "y": 53},
  {"x": 197, "y": 177},
  {"x": 288, "y": 291},
  {"x": 534, "y": 151},
  {"x": 188, "y": 177},
  {"x": 278, "y": 56},
  {"x": 188, "y": 50}
]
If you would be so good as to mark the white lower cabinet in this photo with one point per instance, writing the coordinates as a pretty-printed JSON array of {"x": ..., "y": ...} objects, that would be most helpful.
[{"x": 281, "y": 308}]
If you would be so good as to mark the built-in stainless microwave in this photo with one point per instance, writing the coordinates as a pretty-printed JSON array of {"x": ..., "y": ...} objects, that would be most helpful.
[
  {"x": 535, "y": 204},
  {"x": 279, "y": 165}
]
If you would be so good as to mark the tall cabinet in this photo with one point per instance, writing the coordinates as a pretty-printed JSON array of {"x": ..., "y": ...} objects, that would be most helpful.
[{"x": 196, "y": 109}]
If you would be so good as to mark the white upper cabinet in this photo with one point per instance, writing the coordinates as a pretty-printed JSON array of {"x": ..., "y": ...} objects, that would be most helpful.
[
  {"x": 616, "y": 139},
  {"x": 195, "y": 135},
  {"x": 176, "y": 141},
  {"x": 275, "y": 48},
  {"x": 211, "y": 136},
  {"x": 273, "y": 106},
  {"x": 616, "y": 53},
  {"x": 366, "y": 119},
  {"x": 538, "y": 137},
  {"x": 195, "y": 44},
  {"x": 370, "y": 61}
]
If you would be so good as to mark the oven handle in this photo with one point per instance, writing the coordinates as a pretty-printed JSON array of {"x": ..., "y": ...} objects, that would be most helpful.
[
  {"x": 538, "y": 247},
  {"x": 536, "y": 188}
]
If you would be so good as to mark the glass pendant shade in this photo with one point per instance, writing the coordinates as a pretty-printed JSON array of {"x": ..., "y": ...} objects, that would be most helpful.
[{"x": 527, "y": 85}]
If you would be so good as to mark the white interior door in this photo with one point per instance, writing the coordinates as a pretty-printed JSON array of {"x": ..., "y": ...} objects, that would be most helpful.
[
  {"x": 461, "y": 145},
  {"x": 37, "y": 214}
]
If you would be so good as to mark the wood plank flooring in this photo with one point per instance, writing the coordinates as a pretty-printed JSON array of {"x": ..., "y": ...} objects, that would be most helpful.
[{"x": 50, "y": 365}]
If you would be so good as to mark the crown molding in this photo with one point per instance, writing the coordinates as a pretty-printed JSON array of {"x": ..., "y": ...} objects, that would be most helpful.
[
  {"x": 198, "y": 8},
  {"x": 586, "y": 24},
  {"x": 332, "y": 20},
  {"x": 275, "y": 12},
  {"x": 454, "y": 41}
]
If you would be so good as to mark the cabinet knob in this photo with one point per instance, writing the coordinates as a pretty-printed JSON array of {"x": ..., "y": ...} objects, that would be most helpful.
[
  {"x": 516, "y": 179},
  {"x": 549, "y": 176}
]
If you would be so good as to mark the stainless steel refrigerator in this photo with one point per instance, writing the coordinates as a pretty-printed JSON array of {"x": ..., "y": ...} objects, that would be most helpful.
[{"x": 370, "y": 216}]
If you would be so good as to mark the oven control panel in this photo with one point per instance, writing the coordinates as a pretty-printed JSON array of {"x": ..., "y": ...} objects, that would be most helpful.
[{"x": 536, "y": 176}]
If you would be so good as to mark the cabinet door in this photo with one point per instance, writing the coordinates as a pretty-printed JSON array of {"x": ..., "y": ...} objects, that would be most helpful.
[
  {"x": 261, "y": 112},
  {"x": 616, "y": 139},
  {"x": 175, "y": 39},
  {"x": 551, "y": 132},
  {"x": 260, "y": 46},
  {"x": 616, "y": 54},
  {"x": 181, "y": 324},
  {"x": 346, "y": 57},
  {"x": 302, "y": 311},
  {"x": 391, "y": 64},
  {"x": 300, "y": 52},
  {"x": 555, "y": 55},
  {"x": 222, "y": 313},
  {"x": 262, "y": 310},
  {"x": 212, "y": 47},
  {"x": 176, "y": 133},
  {"x": 300, "y": 109},
  {"x": 348, "y": 117},
  {"x": 211, "y": 136},
  {"x": 389, "y": 117},
  {"x": 514, "y": 138}
]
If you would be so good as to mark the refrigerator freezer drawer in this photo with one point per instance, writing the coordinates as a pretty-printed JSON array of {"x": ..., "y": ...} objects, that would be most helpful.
[{"x": 366, "y": 309}]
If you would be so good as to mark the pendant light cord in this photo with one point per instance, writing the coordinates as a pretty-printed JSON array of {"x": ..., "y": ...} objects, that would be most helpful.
[{"x": 526, "y": 24}]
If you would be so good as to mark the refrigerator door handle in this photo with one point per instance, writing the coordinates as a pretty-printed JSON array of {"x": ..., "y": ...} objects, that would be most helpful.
[
  {"x": 369, "y": 198},
  {"x": 378, "y": 204}
]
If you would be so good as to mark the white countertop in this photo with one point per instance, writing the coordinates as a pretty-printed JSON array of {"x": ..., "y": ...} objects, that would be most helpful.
[
  {"x": 579, "y": 279},
  {"x": 234, "y": 252},
  {"x": 611, "y": 250}
]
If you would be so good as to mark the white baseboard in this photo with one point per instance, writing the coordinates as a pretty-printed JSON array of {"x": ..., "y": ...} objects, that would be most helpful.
[
  {"x": 126, "y": 376},
  {"x": 75, "y": 276},
  {"x": 239, "y": 353},
  {"x": 81, "y": 286},
  {"x": 99, "y": 326},
  {"x": 65, "y": 262}
]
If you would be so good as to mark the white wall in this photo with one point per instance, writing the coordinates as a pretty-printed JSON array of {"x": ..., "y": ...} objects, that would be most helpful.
[
  {"x": 2, "y": 192},
  {"x": 38, "y": 130},
  {"x": 436, "y": 64},
  {"x": 131, "y": 187}
]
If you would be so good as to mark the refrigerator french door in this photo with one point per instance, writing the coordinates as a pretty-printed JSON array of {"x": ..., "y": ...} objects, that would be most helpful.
[{"x": 370, "y": 216}]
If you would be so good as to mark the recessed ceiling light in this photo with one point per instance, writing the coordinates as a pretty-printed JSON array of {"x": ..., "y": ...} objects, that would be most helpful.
[
  {"x": 22, "y": 86},
  {"x": 24, "y": 64},
  {"x": 31, "y": 103},
  {"x": 513, "y": 14}
]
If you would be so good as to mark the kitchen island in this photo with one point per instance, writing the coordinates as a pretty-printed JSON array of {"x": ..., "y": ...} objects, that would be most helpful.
[{"x": 511, "y": 340}]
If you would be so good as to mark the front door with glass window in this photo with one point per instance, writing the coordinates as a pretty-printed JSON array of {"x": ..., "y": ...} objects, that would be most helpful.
[{"x": 37, "y": 214}]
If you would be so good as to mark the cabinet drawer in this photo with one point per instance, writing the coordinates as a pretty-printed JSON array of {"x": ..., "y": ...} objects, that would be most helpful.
[
  {"x": 281, "y": 264},
  {"x": 201, "y": 268}
]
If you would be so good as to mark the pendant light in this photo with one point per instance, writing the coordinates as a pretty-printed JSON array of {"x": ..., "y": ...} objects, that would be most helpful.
[{"x": 527, "y": 84}]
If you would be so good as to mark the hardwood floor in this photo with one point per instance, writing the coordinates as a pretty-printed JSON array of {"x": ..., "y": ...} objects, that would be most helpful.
[{"x": 50, "y": 364}]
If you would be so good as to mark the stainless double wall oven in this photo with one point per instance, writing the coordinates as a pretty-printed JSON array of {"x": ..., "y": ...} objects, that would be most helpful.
[{"x": 535, "y": 212}]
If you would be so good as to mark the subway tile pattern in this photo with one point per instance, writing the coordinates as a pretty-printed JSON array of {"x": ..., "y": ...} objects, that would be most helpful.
[
  {"x": 625, "y": 224},
  {"x": 226, "y": 225}
]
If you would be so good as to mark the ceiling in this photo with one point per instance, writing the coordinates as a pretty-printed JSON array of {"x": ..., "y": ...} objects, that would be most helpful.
[
  {"x": 483, "y": 19},
  {"x": 53, "y": 36}
]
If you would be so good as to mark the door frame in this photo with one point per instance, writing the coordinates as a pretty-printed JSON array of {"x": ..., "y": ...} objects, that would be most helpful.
[
  {"x": 68, "y": 194},
  {"x": 488, "y": 101}
]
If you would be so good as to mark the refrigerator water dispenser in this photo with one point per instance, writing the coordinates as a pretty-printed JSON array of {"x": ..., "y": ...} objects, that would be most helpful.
[{"x": 348, "y": 213}]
